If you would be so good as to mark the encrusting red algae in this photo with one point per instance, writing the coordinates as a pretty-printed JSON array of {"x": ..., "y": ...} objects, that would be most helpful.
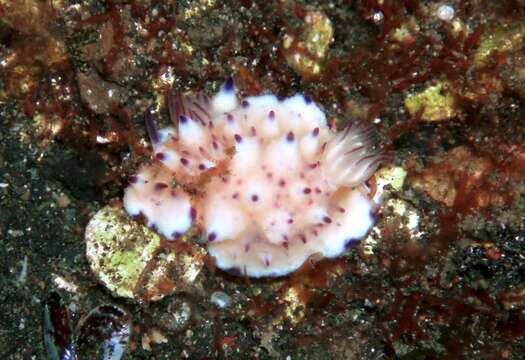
[{"x": 265, "y": 179}]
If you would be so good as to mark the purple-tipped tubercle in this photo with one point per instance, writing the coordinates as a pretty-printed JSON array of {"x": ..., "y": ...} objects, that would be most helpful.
[{"x": 229, "y": 85}]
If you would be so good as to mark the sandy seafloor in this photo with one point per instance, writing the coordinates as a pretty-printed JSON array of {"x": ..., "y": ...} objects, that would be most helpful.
[{"x": 441, "y": 82}]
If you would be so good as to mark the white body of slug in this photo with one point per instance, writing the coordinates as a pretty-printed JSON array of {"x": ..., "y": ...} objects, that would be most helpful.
[{"x": 266, "y": 180}]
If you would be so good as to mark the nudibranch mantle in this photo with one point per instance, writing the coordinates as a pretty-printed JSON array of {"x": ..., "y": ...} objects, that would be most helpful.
[{"x": 265, "y": 179}]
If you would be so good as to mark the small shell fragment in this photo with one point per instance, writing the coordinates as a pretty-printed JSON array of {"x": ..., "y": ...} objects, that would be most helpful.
[
  {"x": 57, "y": 329},
  {"x": 104, "y": 333},
  {"x": 221, "y": 299}
]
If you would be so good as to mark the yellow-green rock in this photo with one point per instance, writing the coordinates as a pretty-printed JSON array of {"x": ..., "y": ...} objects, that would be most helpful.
[
  {"x": 436, "y": 101},
  {"x": 118, "y": 249},
  {"x": 133, "y": 261},
  {"x": 391, "y": 175},
  {"x": 305, "y": 53}
]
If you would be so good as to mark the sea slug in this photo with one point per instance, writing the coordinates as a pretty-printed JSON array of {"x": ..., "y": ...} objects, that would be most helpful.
[{"x": 265, "y": 179}]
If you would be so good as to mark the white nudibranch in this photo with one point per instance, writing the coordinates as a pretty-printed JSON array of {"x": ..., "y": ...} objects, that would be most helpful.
[{"x": 267, "y": 182}]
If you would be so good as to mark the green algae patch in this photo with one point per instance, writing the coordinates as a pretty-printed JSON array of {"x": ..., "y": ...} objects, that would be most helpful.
[
  {"x": 118, "y": 250},
  {"x": 502, "y": 38},
  {"x": 435, "y": 103}
]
